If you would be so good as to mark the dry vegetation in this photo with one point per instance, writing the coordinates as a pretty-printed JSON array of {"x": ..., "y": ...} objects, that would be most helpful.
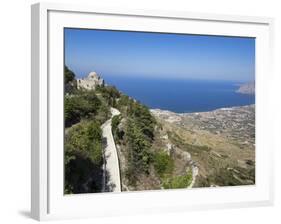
[{"x": 220, "y": 160}]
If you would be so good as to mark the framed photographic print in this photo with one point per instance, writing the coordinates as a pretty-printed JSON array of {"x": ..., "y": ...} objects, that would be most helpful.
[{"x": 148, "y": 111}]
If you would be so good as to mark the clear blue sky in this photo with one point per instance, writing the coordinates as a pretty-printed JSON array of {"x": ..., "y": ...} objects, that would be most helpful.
[{"x": 157, "y": 55}]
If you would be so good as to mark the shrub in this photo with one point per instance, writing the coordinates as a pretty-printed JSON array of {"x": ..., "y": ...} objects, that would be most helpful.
[
  {"x": 139, "y": 154},
  {"x": 144, "y": 119},
  {"x": 70, "y": 84},
  {"x": 182, "y": 181},
  {"x": 109, "y": 94},
  {"x": 163, "y": 163},
  {"x": 69, "y": 76},
  {"x": 123, "y": 102},
  {"x": 80, "y": 106},
  {"x": 86, "y": 139},
  {"x": 115, "y": 122},
  {"x": 83, "y": 157}
]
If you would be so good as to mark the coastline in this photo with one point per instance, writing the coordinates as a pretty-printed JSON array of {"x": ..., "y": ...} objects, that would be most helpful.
[
  {"x": 158, "y": 110},
  {"x": 221, "y": 142},
  {"x": 237, "y": 124}
]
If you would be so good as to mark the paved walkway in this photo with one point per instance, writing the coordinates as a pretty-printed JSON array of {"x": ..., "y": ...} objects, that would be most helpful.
[{"x": 111, "y": 167}]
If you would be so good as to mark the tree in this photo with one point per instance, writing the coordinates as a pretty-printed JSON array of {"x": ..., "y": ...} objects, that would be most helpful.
[
  {"x": 139, "y": 151},
  {"x": 69, "y": 76},
  {"x": 83, "y": 158},
  {"x": 80, "y": 106},
  {"x": 70, "y": 84}
]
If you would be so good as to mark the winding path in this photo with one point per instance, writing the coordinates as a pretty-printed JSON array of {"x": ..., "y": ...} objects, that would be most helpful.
[
  {"x": 195, "y": 172},
  {"x": 111, "y": 175}
]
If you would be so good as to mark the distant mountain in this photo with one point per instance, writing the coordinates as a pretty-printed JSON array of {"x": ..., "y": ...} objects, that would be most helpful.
[{"x": 247, "y": 88}]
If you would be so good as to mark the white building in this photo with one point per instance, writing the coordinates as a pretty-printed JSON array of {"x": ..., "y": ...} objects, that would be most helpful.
[{"x": 90, "y": 82}]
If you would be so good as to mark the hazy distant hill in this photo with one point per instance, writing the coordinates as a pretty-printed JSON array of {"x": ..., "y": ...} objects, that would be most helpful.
[{"x": 247, "y": 88}]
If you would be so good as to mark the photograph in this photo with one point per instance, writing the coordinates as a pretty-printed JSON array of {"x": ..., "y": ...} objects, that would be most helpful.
[{"x": 157, "y": 111}]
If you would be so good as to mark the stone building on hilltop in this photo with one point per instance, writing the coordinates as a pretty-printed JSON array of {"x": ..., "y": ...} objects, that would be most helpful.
[{"x": 90, "y": 82}]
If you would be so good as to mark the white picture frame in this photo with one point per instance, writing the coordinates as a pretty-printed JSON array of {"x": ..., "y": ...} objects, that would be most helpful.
[{"x": 47, "y": 199}]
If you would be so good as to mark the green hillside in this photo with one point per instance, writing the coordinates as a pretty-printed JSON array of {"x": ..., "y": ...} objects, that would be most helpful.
[
  {"x": 142, "y": 166},
  {"x": 152, "y": 152}
]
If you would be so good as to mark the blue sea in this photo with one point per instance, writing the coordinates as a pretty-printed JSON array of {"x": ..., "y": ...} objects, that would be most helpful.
[{"x": 181, "y": 96}]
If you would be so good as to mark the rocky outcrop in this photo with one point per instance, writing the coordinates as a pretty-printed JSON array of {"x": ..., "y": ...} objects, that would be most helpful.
[
  {"x": 247, "y": 88},
  {"x": 90, "y": 82}
]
